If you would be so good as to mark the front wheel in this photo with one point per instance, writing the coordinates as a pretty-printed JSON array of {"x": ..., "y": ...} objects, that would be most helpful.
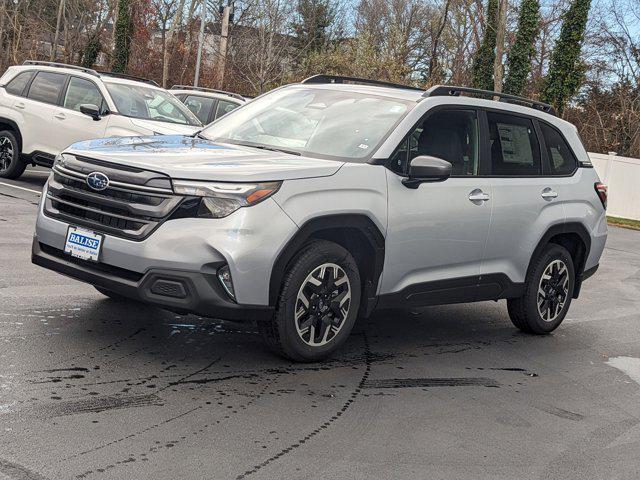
[
  {"x": 318, "y": 303},
  {"x": 11, "y": 166},
  {"x": 548, "y": 292}
]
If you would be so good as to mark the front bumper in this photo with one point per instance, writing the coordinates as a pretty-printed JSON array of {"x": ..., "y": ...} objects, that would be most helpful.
[{"x": 177, "y": 290}]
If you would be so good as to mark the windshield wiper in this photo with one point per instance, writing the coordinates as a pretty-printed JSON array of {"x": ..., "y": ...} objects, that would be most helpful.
[{"x": 273, "y": 149}]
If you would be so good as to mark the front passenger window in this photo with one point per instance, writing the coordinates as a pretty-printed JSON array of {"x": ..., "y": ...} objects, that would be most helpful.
[
  {"x": 451, "y": 135},
  {"x": 80, "y": 92}
]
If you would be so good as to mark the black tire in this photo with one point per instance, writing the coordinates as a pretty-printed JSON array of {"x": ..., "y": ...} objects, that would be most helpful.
[
  {"x": 11, "y": 165},
  {"x": 524, "y": 311},
  {"x": 281, "y": 333},
  {"x": 113, "y": 295}
]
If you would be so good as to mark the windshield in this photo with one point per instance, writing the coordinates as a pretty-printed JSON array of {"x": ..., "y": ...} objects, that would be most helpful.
[
  {"x": 312, "y": 121},
  {"x": 150, "y": 104}
]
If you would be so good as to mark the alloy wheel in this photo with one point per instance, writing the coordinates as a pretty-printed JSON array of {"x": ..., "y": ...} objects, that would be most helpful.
[
  {"x": 6, "y": 153},
  {"x": 553, "y": 290},
  {"x": 322, "y": 304}
]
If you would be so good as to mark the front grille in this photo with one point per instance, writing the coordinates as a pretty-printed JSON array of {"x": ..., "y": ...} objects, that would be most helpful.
[{"x": 134, "y": 204}]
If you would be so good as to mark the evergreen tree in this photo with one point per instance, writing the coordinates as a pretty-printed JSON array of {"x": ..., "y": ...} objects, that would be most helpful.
[
  {"x": 485, "y": 56},
  {"x": 519, "y": 59},
  {"x": 122, "y": 36},
  {"x": 90, "y": 53},
  {"x": 314, "y": 18},
  {"x": 566, "y": 70}
]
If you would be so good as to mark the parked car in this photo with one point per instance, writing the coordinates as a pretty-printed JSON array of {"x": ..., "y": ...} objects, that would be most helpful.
[
  {"x": 45, "y": 107},
  {"x": 206, "y": 103},
  {"x": 320, "y": 201}
]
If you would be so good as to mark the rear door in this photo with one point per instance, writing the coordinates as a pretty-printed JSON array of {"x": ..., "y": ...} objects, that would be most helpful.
[
  {"x": 38, "y": 107},
  {"x": 437, "y": 232},
  {"x": 525, "y": 199},
  {"x": 69, "y": 123}
]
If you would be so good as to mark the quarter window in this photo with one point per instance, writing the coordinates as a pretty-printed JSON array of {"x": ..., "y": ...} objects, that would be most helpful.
[
  {"x": 514, "y": 146},
  {"x": 17, "y": 83},
  {"x": 46, "y": 87},
  {"x": 561, "y": 159},
  {"x": 80, "y": 92}
]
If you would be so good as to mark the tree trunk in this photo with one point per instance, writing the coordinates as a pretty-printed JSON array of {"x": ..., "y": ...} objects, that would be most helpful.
[
  {"x": 498, "y": 68},
  {"x": 169, "y": 43},
  {"x": 54, "y": 45}
]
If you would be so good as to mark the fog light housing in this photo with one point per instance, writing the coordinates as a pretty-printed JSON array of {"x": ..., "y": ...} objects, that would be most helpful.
[{"x": 224, "y": 275}]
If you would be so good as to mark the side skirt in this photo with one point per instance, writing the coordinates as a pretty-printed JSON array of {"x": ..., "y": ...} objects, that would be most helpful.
[{"x": 475, "y": 288}]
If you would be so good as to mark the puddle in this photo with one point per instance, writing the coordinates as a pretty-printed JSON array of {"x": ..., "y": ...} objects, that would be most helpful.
[{"x": 628, "y": 365}]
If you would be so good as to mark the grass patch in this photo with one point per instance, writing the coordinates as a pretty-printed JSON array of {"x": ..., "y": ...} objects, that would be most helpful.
[{"x": 624, "y": 222}]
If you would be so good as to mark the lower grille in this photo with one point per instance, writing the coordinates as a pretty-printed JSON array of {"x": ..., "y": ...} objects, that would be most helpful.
[{"x": 132, "y": 206}]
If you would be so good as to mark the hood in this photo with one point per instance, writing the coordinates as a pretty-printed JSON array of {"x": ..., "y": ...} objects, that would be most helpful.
[
  {"x": 183, "y": 157},
  {"x": 165, "y": 128}
]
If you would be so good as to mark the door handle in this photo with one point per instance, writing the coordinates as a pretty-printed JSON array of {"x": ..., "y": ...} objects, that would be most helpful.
[
  {"x": 478, "y": 195},
  {"x": 20, "y": 105},
  {"x": 548, "y": 194},
  {"x": 60, "y": 116}
]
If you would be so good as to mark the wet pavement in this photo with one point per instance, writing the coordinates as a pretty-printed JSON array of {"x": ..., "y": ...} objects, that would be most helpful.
[{"x": 92, "y": 388}]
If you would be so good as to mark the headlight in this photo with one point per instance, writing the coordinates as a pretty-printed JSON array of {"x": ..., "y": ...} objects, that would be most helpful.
[{"x": 222, "y": 199}]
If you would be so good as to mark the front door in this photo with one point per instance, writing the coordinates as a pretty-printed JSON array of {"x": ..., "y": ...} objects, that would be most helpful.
[
  {"x": 436, "y": 233},
  {"x": 70, "y": 124}
]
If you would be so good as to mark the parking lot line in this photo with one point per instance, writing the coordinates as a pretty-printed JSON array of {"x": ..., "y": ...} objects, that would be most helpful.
[{"x": 20, "y": 188}]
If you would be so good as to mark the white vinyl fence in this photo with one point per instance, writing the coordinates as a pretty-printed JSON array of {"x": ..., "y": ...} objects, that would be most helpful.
[{"x": 622, "y": 176}]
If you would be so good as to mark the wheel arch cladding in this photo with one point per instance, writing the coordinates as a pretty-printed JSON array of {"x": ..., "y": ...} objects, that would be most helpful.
[
  {"x": 357, "y": 233},
  {"x": 576, "y": 239},
  {"x": 6, "y": 124}
]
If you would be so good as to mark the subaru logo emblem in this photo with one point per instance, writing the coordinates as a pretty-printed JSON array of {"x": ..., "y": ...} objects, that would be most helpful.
[{"x": 97, "y": 181}]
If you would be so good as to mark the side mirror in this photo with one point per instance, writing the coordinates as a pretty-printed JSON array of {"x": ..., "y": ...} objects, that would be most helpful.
[
  {"x": 425, "y": 168},
  {"x": 91, "y": 110}
]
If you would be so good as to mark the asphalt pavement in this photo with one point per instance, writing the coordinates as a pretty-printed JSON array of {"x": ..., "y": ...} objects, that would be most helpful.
[{"x": 96, "y": 389}]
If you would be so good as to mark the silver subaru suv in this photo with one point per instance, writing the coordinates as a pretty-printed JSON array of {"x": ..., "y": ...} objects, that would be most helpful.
[{"x": 319, "y": 202}]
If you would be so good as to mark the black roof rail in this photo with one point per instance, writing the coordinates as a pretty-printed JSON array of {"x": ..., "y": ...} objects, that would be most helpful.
[
  {"x": 356, "y": 80},
  {"x": 455, "y": 91},
  {"x": 41, "y": 63},
  {"x": 128, "y": 77},
  {"x": 210, "y": 90}
]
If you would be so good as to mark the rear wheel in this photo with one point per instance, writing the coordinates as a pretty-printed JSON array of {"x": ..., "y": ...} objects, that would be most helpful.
[
  {"x": 318, "y": 304},
  {"x": 548, "y": 292},
  {"x": 11, "y": 166}
]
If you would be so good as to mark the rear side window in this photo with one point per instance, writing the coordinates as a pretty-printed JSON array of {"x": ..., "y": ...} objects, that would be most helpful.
[
  {"x": 200, "y": 106},
  {"x": 18, "y": 83},
  {"x": 81, "y": 92},
  {"x": 225, "y": 107},
  {"x": 514, "y": 146},
  {"x": 46, "y": 87},
  {"x": 561, "y": 158}
]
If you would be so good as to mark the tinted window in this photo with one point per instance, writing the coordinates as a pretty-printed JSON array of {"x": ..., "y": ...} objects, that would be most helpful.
[
  {"x": 46, "y": 87},
  {"x": 17, "y": 84},
  {"x": 451, "y": 135},
  {"x": 81, "y": 92},
  {"x": 200, "y": 106},
  {"x": 561, "y": 159},
  {"x": 225, "y": 107},
  {"x": 514, "y": 145}
]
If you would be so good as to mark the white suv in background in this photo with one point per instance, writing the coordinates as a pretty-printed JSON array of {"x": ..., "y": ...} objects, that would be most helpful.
[
  {"x": 317, "y": 202},
  {"x": 206, "y": 103},
  {"x": 45, "y": 107}
]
